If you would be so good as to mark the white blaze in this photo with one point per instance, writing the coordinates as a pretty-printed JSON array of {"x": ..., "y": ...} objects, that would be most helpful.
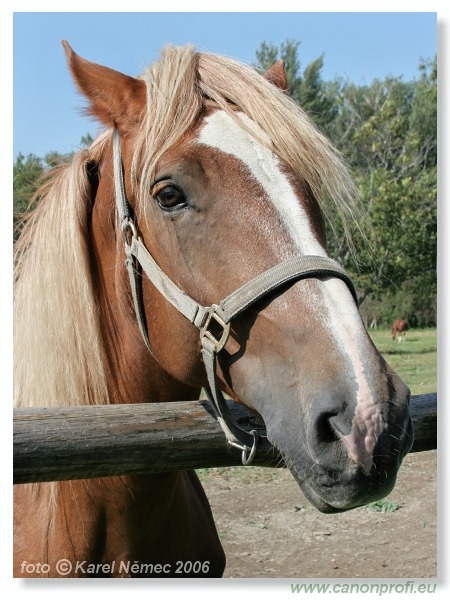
[{"x": 223, "y": 133}]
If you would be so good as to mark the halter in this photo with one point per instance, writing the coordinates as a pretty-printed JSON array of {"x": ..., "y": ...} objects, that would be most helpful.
[{"x": 217, "y": 316}]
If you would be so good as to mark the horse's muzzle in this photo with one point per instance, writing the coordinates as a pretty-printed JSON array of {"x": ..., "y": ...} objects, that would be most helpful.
[{"x": 342, "y": 463}]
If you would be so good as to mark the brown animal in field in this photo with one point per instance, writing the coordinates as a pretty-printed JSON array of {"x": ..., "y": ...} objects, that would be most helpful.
[{"x": 399, "y": 329}]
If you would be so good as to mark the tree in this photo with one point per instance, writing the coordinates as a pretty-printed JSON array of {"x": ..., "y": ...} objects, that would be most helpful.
[
  {"x": 26, "y": 172},
  {"x": 86, "y": 140},
  {"x": 387, "y": 131},
  {"x": 307, "y": 89}
]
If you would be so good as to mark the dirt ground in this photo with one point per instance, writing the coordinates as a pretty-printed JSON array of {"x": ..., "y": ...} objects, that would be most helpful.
[{"x": 269, "y": 529}]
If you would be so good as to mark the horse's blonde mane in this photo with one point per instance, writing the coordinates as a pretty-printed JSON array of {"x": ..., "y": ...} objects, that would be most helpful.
[
  {"x": 57, "y": 344},
  {"x": 57, "y": 347}
]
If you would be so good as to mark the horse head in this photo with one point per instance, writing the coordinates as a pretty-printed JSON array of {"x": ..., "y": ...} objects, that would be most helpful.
[{"x": 223, "y": 175}]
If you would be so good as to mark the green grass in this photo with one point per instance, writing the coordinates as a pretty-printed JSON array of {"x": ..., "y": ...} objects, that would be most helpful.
[
  {"x": 383, "y": 506},
  {"x": 415, "y": 359}
]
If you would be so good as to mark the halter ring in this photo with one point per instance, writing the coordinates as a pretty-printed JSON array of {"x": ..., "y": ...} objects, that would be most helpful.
[{"x": 247, "y": 460}]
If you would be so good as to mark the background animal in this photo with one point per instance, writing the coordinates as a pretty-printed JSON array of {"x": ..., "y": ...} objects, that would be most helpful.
[{"x": 399, "y": 329}]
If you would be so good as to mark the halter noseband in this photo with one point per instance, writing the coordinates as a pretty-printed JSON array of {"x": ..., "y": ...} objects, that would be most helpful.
[{"x": 218, "y": 315}]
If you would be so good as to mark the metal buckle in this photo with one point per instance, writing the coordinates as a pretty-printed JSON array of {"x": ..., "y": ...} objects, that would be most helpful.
[
  {"x": 129, "y": 232},
  {"x": 218, "y": 341}
]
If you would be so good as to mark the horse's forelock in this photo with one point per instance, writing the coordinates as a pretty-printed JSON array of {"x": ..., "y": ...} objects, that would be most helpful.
[{"x": 182, "y": 82}]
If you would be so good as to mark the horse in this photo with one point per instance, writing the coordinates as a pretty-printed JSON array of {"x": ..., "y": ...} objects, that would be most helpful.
[
  {"x": 399, "y": 329},
  {"x": 199, "y": 208}
]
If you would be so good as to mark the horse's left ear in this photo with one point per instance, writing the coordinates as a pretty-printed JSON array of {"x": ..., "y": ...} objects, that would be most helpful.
[
  {"x": 117, "y": 100},
  {"x": 276, "y": 74}
]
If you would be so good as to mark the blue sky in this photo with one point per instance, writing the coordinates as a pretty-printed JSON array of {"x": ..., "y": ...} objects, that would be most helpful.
[{"x": 356, "y": 45}]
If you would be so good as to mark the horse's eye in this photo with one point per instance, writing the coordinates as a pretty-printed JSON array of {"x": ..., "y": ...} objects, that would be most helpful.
[{"x": 170, "y": 198}]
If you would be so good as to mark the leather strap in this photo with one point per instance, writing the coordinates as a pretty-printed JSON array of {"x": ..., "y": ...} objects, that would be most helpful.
[{"x": 221, "y": 314}]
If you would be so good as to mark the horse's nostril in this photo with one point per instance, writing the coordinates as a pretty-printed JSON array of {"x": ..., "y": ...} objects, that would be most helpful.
[
  {"x": 336, "y": 439},
  {"x": 327, "y": 432}
]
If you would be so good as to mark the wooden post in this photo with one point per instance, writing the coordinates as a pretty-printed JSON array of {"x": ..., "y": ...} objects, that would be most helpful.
[{"x": 52, "y": 444}]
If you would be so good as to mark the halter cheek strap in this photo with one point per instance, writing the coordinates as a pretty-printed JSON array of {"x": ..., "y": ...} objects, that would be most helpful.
[{"x": 216, "y": 317}]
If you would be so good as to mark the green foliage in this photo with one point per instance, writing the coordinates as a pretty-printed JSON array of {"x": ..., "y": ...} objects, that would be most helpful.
[
  {"x": 28, "y": 173},
  {"x": 307, "y": 88},
  {"x": 86, "y": 140},
  {"x": 388, "y": 133},
  {"x": 402, "y": 214}
]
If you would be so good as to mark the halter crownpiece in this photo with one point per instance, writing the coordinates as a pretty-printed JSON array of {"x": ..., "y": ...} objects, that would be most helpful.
[{"x": 217, "y": 315}]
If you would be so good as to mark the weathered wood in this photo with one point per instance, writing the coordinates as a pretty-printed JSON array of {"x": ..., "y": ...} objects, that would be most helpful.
[
  {"x": 424, "y": 416},
  {"x": 53, "y": 444}
]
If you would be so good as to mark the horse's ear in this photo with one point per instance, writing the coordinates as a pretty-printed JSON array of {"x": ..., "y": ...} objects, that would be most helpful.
[
  {"x": 117, "y": 100},
  {"x": 276, "y": 74}
]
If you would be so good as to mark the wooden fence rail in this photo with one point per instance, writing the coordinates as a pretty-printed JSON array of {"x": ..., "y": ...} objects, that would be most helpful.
[{"x": 53, "y": 444}]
